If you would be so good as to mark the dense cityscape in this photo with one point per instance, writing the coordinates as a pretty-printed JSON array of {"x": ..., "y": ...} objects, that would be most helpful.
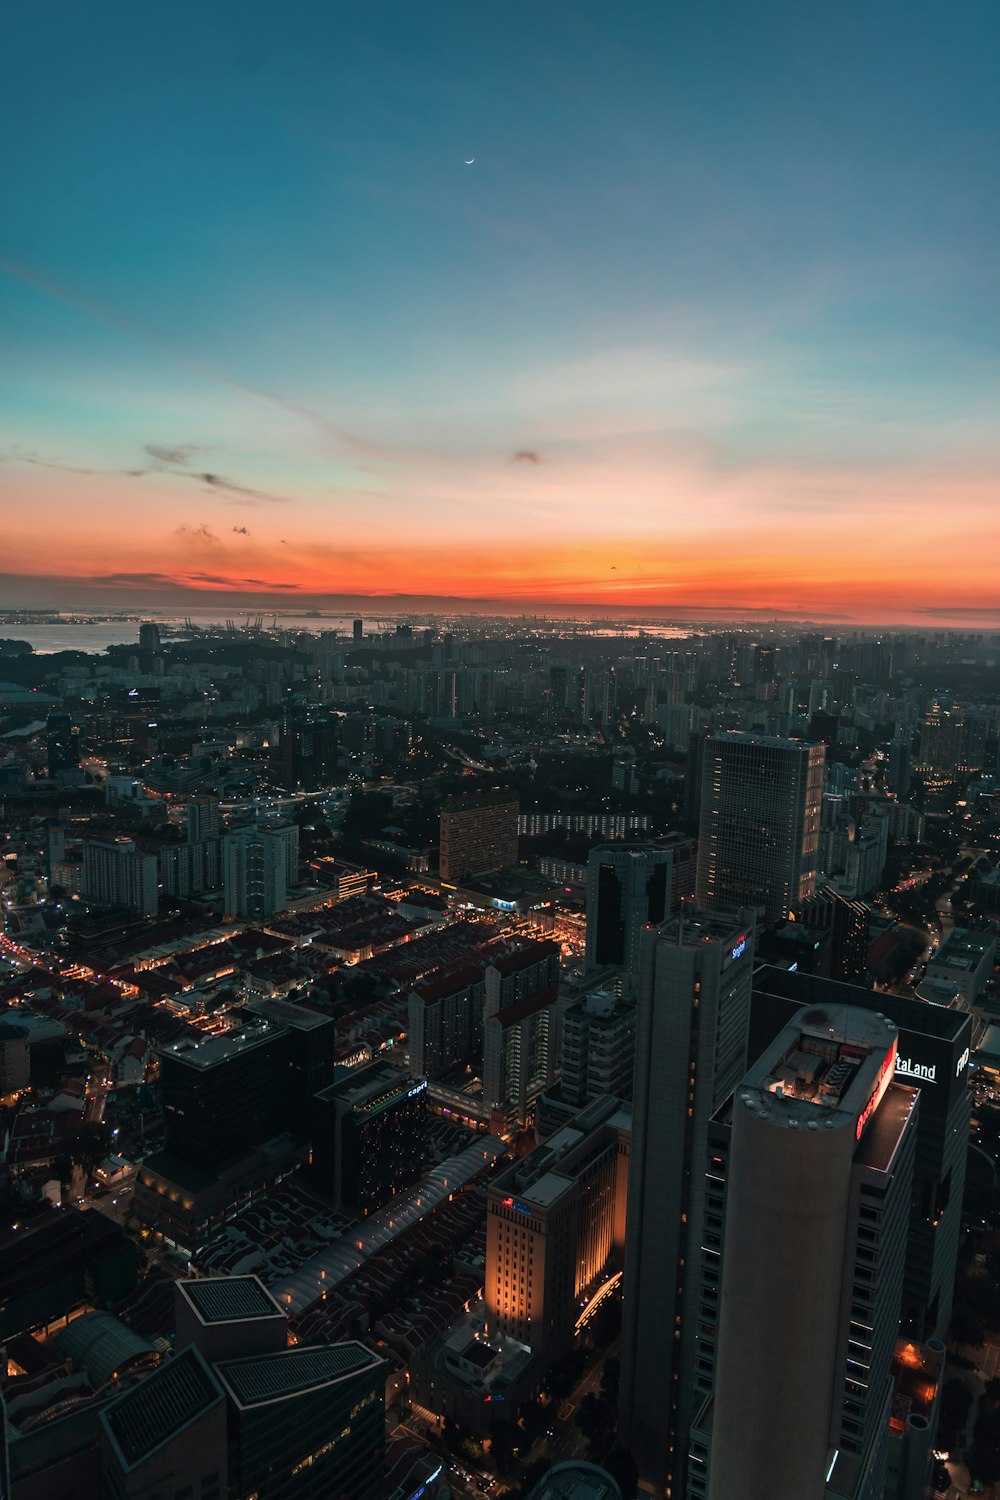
[
  {"x": 465, "y": 1056},
  {"x": 500, "y": 750}
]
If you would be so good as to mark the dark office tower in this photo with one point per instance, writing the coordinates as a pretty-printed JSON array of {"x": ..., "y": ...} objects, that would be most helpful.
[
  {"x": 823, "y": 727},
  {"x": 55, "y": 846},
  {"x": 690, "y": 1052},
  {"x": 942, "y": 736},
  {"x": 758, "y": 835},
  {"x": 62, "y": 744},
  {"x": 478, "y": 834},
  {"x": 827, "y": 656},
  {"x": 149, "y": 636},
  {"x": 596, "y": 1049},
  {"x": 846, "y": 921},
  {"x": 558, "y": 692},
  {"x": 202, "y": 819},
  {"x": 359, "y": 632},
  {"x": 306, "y": 755},
  {"x": 765, "y": 664},
  {"x": 804, "y": 1269},
  {"x": 368, "y": 1136},
  {"x": 973, "y": 752},
  {"x": 167, "y": 1434},
  {"x": 897, "y": 776},
  {"x": 694, "y": 770},
  {"x": 628, "y": 887},
  {"x": 226, "y": 1317},
  {"x": 934, "y": 1043},
  {"x": 307, "y": 1423},
  {"x": 312, "y": 1048},
  {"x": 226, "y": 1095}
]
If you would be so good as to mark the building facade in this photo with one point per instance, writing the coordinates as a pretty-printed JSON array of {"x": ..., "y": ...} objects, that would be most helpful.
[
  {"x": 629, "y": 886},
  {"x": 368, "y": 1139},
  {"x": 555, "y": 1224},
  {"x": 934, "y": 1052},
  {"x": 695, "y": 984},
  {"x": 803, "y": 1272},
  {"x": 478, "y": 834},
  {"x": 116, "y": 873},
  {"x": 758, "y": 836}
]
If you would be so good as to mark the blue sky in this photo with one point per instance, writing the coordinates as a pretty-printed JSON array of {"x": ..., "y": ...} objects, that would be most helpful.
[{"x": 696, "y": 241}]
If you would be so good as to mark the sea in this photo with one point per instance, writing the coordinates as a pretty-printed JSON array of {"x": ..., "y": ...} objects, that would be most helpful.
[{"x": 94, "y": 634}]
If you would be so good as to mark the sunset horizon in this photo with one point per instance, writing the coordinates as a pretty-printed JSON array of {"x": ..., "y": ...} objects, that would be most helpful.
[{"x": 610, "y": 319}]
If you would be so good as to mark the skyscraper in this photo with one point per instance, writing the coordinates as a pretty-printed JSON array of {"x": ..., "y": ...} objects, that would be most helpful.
[
  {"x": 691, "y": 1044},
  {"x": 116, "y": 873},
  {"x": 629, "y": 886},
  {"x": 934, "y": 1048},
  {"x": 255, "y": 867},
  {"x": 368, "y": 1135},
  {"x": 801, "y": 1319},
  {"x": 554, "y": 1221},
  {"x": 758, "y": 837},
  {"x": 897, "y": 776},
  {"x": 520, "y": 1030},
  {"x": 478, "y": 834},
  {"x": 62, "y": 744},
  {"x": 202, "y": 815}
]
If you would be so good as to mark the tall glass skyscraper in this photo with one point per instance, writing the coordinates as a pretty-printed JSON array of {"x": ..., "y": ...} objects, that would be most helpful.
[
  {"x": 695, "y": 982},
  {"x": 758, "y": 835}
]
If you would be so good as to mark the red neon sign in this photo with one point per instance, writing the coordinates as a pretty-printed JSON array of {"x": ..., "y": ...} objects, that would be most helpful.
[{"x": 882, "y": 1082}]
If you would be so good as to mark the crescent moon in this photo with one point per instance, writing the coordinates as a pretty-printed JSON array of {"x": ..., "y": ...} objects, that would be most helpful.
[{"x": 470, "y": 161}]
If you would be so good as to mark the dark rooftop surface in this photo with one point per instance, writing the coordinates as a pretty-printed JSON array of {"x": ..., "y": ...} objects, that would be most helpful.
[
  {"x": 224, "y": 1299},
  {"x": 43, "y": 1245},
  {"x": 269, "y": 1377},
  {"x": 161, "y": 1405},
  {"x": 909, "y": 1015},
  {"x": 879, "y": 1142}
]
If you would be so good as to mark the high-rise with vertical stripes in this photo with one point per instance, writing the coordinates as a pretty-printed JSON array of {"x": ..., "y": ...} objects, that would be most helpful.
[{"x": 758, "y": 834}]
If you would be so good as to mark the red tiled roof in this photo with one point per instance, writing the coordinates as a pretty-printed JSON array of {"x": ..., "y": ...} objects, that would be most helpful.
[{"x": 521, "y": 1009}]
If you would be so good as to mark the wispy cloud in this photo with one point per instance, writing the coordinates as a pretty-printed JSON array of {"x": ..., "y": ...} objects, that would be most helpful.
[
  {"x": 28, "y": 276},
  {"x": 168, "y": 468},
  {"x": 18, "y": 455},
  {"x": 181, "y": 454},
  {"x": 220, "y": 482},
  {"x": 201, "y": 534}
]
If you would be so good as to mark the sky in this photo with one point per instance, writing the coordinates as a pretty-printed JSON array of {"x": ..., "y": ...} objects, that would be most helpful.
[{"x": 710, "y": 323}]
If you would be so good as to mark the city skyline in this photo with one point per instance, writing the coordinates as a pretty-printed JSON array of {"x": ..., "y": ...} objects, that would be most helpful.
[{"x": 708, "y": 324}]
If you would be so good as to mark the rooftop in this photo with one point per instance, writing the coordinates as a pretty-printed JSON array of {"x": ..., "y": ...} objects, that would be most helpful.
[
  {"x": 914, "y": 1016},
  {"x": 696, "y": 926},
  {"x": 220, "y": 1049},
  {"x": 287, "y": 1013},
  {"x": 226, "y": 1299},
  {"x": 161, "y": 1406},
  {"x": 829, "y": 1060},
  {"x": 963, "y": 949},
  {"x": 357, "y": 1085},
  {"x": 291, "y": 1372},
  {"x": 576, "y": 1481},
  {"x": 102, "y": 1345},
  {"x": 880, "y": 1140}
]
